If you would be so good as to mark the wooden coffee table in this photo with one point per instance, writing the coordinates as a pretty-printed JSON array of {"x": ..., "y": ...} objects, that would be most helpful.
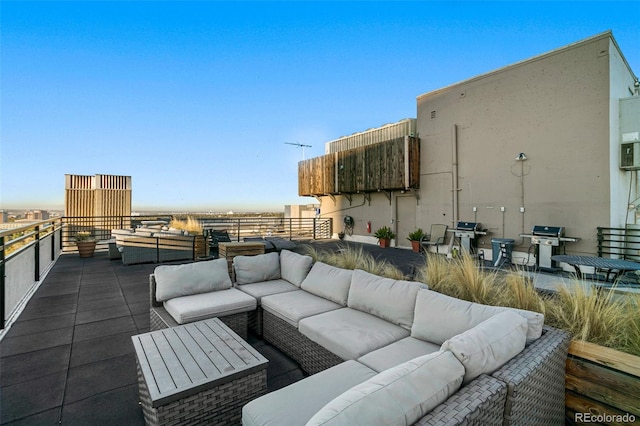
[{"x": 197, "y": 372}]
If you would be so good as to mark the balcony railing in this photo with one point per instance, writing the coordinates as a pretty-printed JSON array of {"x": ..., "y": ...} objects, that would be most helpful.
[
  {"x": 237, "y": 227},
  {"x": 622, "y": 243},
  {"x": 28, "y": 252}
]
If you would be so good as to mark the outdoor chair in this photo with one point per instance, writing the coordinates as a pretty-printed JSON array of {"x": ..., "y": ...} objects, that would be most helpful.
[
  {"x": 437, "y": 235},
  {"x": 216, "y": 238}
]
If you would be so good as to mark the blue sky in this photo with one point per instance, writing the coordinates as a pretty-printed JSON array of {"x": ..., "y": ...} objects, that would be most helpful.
[{"x": 195, "y": 100}]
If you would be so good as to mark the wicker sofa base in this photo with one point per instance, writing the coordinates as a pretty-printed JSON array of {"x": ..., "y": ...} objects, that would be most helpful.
[
  {"x": 481, "y": 403},
  {"x": 312, "y": 357},
  {"x": 218, "y": 405},
  {"x": 255, "y": 321},
  {"x": 160, "y": 318},
  {"x": 281, "y": 334},
  {"x": 535, "y": 391}
]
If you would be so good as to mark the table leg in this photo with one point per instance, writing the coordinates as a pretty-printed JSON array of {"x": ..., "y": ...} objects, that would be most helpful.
[{"x": 578, "y": 270}]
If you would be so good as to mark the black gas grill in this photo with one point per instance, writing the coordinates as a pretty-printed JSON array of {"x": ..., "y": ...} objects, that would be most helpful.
[
  {"x": 547, "y": 239},
  {"x": 547, "y": 235},
  {"x": 467, "y": 233}
]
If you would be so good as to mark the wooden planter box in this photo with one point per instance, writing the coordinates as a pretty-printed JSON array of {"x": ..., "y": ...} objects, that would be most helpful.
[
  {"x": 201, "y": 246},
  {"x": 233, "y": 249},
  {"x": 602, "y": 385},
  {"x": 86, "y": 248}
]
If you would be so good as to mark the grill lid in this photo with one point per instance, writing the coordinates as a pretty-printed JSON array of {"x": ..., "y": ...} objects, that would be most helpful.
[
  {"x": 548, "y": 231},
  {"x": 467, "y": 226}
]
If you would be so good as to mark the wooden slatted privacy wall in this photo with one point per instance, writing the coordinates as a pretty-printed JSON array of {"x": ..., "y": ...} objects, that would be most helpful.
[
  {"x": 317, "y": 175},
  {"x": 383, "y": 166}
]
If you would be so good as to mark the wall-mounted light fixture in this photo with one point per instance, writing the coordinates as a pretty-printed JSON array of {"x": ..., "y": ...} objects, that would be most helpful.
[{"x": 521, "y": 157}]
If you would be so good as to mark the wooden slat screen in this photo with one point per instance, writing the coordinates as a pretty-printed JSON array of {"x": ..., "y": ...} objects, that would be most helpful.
[{"x": 380, "y": 166}]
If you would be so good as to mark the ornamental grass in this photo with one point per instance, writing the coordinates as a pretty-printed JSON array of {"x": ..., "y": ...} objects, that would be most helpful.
[
  {"x": 597, "y": 315},
  {"x": 348, "y": 257},
  {"x": 190, "y": 224},
  {"x": 588, "y": 312},
  {"x": 460, "y": 278}
]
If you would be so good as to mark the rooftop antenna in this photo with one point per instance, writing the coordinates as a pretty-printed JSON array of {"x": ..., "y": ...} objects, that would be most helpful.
[{"x": 299, "y": 145}]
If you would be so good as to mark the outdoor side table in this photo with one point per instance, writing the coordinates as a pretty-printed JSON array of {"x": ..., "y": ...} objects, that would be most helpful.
[{"x": 201, "y": 372}]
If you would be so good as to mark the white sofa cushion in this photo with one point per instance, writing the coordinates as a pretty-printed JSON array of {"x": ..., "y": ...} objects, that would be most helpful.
[
  {"x": 297, "y": 403},
  {"x": 350, "y": 333},
  {"x": 397, "y": 353},
  {"x": 208, "y": 305},
  {"x": 296, "y": 305},
  {"x": 398, "y": 396},
  {"x": 267, "y": 288},
  {"x": 440, "y": 317},
  {"x": 294, "y": 267},
  {"x": 143, "y": 232},
  {"x": 258, "y": 268},
  {"x": 392, "y": 300},
  {"x": 490, "y": 344},
  {"x": 191, "y": 278},
  {"x": 329, "y": 282}
]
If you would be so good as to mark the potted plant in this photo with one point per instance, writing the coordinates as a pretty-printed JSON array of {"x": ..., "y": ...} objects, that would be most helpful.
[
  {"x": 86, "y": 244},
  {"x": 384, "y": 236},
  {"x": 415, "y": 237},
  {"x": 341, "y": 235}
]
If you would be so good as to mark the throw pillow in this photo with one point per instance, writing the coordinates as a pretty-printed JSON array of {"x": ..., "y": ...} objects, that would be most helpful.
[
  {"x": 489, "y": 345},
  {"x": 439, "y": 317},
  {"x": 294, "y": 267},
  {"x": 191, "y": 278},
  {"x": 258, "y": 268},
  {"x": 328, "y": 282}
]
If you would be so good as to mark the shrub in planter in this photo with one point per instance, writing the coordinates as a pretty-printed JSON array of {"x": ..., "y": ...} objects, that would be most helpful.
[
  {"x": 384, "y": 236},
  {"x": 415, "y": 237},
  {"x": 86, "y": 244}
]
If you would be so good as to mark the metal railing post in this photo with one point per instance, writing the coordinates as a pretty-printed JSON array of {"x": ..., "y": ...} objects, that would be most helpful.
[
  {"x": 314, "y": 228},
  {"x": 36, "y": 247},
  {"x": 53, "y": 241},
  {"x": 2, "y": 282}
]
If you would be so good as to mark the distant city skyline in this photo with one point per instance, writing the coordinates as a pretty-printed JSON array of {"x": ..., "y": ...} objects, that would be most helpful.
[{"x": 199, "y": 102}]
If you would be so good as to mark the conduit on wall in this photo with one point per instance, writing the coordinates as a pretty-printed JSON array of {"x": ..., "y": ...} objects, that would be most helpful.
[{"x": 454, "y": 166}]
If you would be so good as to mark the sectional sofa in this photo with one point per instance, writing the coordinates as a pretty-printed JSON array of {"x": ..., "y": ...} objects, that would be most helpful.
[
  {"x": 378, "y": 351},
  {"x": 144, "y": 244}
]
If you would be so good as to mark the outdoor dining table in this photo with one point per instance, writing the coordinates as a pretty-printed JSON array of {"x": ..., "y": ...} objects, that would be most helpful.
[{"x": 599, "y": 263}]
